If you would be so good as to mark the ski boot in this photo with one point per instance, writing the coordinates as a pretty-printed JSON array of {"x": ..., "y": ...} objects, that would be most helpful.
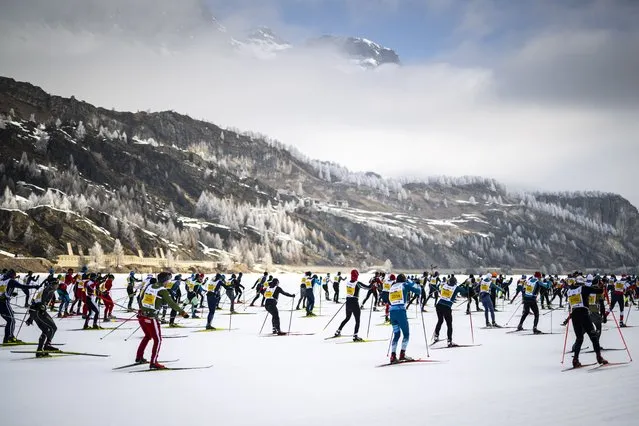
[
  {"x": 59, "y": 315},
  {"x": 97, "y": 327},
  {"x": 281, "y": 333},
  {"x": 601, "y": 359},
  {"x": 374, "y": 308},
  {"x": 357, "y": 339},
  {"x": 208, "y": 327},
  {"x": 488, "y": 325},
  {"x": 157, "y": 366},
  {"x": 51, "y": 348},
  {"x": 85, "y": 327},
  {"x": 403, "y": 357},
  {"x": 141, "y": 361},
  {"x": 386, "y": 320},
  {"x": 496, "y": 325},
  {"x": 450, "y": 344},
  {"x": 393, "y": 358},
  {"x": 195, "y": 316},
  {"x": 520, "y": 328},
  {"x": 338, "y": 333},
  {"x": 173, "y": 325},
  {"x": 42, "y": 354},
  {"x": 435, "y": 339},
  {"x": 536, "y": 331},
  {"x": 108, "y": 320},
  {"x": 575, "y": 362},
  {"x": 621, "y": 324}
]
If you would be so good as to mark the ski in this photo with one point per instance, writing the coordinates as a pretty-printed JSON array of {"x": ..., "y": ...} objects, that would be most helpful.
[
  {"x": 456, "y": 346},
  {"x": 384, "y": 324},
  {"x": 610, "y": 364},
  {"x": 241, "y": 313},
  {"x": 148, "y": 370},
  {"x": 287, "y": 334},
  {"x": 60, "y": 353},
  {"x": 100, "y": 329},
  {"x": 515, "y": 331},
  {"x": 363, "y": 341},
  {"x": 337, "y": 337},
  {"x": 541, "y": 333},
  {"x": 409, "y": 362},
  {"x": 174, "y": 336},
  {"x": 122, "y": 367},
  {"x": 496, "y": 328},
  {"x": 606, "y": 349},
  {"x": 9, "y": 345},
  {"x": 183, "y": 326},
  {"x": 577, "y": 368},
  {"x": 208, "y": 330}
]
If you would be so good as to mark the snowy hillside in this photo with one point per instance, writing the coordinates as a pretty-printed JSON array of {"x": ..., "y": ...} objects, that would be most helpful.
[{"x": 295, "y": 380}]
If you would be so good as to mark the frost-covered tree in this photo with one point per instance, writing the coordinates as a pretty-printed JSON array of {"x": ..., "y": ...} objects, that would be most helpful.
[
  {"x": 388, "y": 265},
  {"x": 28, "y": 236},
  {"x": 58, "y": 123},
  {"x": 80, "y": 131},
  {"x": 96, "y": 256},
  {"x": 118, "y": 252}
]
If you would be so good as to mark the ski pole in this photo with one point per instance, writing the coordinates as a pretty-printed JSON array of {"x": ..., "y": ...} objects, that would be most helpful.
[
  {"x": 514, "y": 311},
  {"x": 563, "y": 355},
  {"x": 22, "y": 322},
  {"x": 617, "y": 324},
  {"x": 290, "y": 318},
  {"x": 424, "y": 330},
  {"x": 130, "y": 335},
  {"x": 123, "y": 322},
  {"x": 320, "y": 296},
  {"x": 390, "y": 341},
  {"x": 472, "y": 331},
  {"x": 551, "y": 320},
  {"x": 331, "y": 320},
  {"x": 370, "y": 314},
  {"x": 230, "y": 320},
  {"x": 265, "y": 317}
]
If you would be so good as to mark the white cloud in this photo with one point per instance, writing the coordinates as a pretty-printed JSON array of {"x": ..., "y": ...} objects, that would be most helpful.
[{"x": 538, "y": 115}]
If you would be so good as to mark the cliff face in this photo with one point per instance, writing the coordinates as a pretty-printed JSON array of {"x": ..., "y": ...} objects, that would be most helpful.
[{"x": 80, "y": 173}]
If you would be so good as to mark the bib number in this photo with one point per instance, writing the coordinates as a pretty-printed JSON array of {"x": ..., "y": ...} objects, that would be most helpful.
[
  {"x": 486, "y": 288},
  {"x": 447, "y": 293},
  {"x": 396, "y": 296},
  {"x": 268, "y": 294},
  {"x": 148, "y": 301}
]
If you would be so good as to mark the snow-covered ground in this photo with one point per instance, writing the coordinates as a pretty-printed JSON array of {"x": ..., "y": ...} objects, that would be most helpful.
[{"x": 511, "y": 379}]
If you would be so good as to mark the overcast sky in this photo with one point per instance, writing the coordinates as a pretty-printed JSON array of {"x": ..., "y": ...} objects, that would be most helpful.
[{"x": 539, "y": 94}]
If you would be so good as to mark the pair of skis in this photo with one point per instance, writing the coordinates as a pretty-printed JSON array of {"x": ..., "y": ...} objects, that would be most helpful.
[
  {"x": 597, "y": 368},
  {"x": 148, "y": 370}
]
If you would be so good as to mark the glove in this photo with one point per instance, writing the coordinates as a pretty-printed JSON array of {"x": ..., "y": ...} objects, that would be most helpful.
[
  {"x": 29, "y": 321},
  {"x": 185, "y": 315}
]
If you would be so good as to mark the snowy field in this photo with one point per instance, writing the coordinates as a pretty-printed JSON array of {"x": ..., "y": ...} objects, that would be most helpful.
[{"x": 511, "y": 379}]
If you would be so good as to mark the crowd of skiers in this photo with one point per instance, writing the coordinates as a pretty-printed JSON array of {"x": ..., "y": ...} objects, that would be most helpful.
[{"x": 154, "y": 295}]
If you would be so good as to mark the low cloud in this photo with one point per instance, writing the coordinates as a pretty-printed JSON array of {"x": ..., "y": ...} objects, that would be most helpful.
[{"x": 541, "y": 114}]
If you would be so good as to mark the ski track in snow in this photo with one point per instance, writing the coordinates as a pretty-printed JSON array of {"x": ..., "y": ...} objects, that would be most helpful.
[{"x": 510, "y": 380}]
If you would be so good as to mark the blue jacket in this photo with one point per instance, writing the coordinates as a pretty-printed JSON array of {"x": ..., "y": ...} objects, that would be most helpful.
[
  {"x": 409, "y": 287},
  {"x": 537, "y": 285},
  {"x": 459, "y": 289}
]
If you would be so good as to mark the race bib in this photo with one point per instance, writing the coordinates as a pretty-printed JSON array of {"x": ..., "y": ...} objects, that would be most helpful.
[
  {"x": 530, "y": 289},
  {"x": 447, "y": 293},
  {"x": 269, "y": 293},
  {"x": 619, "y": 286},
  {"x": 485, "y": 287},
  {"x": 592, "y": 299},
  {"x": 148, "y": 301},
  {"x": 211, "y": 286},
  {"x": 350, "y": 291},
  {"x": 396, "y": 297}
]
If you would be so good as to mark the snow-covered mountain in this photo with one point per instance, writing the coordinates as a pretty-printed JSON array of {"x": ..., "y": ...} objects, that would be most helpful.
[
  {"x": 361, "y": 50},
  {"x": 262, "y": 43}
]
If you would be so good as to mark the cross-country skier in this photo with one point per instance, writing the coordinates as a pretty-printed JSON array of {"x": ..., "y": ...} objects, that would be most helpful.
[
  {"x": 213, "y": 296},
  {"x": 130, "y": 288},
  {"x": 310, "y": 295},
  {"x": 386, "y": 286},
  {"x": 337, "y": 279},
  {"x": 618, "y": 289},
  {"x": 27, "y": 281},
  {"x": 8, "y": 283},
  {"x": 327, "y": 280},
  {"x": 374, "y": 284},
  {"x": 520, "y": 287},
  {"x": 259, "y": 287},
  {"x": 302, "y": 300},
  {"x": 63, "y": 294},
  {"x": 433, "y": 288},
  {"x": 105, "y": 295},
  {"x": 485, "y": 288},
  {"x": 237, "y": 286},
  {"x": 471, "y": 290},
  {"x": 230, "y": 292},
  {"x": 91, "y": 288},
  {"x": 443, "y": 307},
  {"x": 151, "y": 299},
  {"x": 579, "y": 299},
  {"x": 398, "y": 296},
  {"x": 38, "y": 313},
  {"x": 352, "y": 304},
  {"x": 271, "y": 294},
  {"x": 176, "y": 295},
  {"x": 531, "y": 289}
]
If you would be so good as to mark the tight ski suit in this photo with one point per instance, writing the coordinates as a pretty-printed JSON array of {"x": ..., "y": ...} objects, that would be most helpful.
[
  {"x": 579, "y": 298},
  {"x": 63, "y": 295},
  {"x": 336, "y": 282},
  {"x": 7, "y": 285},
  {"x": 352, "y": 306},
  {"x": 531, "y": 289},
  {"x": 486, "y": 287},
  {"x": 618, "y": 289},
  {"x": 398, "y": 296},
  {"x": 271, "y": 294},
  {"x": 38, "y": 313},
  {"x": 213, "y": 296},
  {"x": 443, "y": 307}
]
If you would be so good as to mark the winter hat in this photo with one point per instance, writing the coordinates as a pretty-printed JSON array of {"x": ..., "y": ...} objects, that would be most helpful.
[
  {"x": 392, "y": 277},
  {"x": 162, "y": 277},
  {"x": 401, "y": 278},
  {"x": 537, "y": 274},
  {"x": 354, "y": 275}
]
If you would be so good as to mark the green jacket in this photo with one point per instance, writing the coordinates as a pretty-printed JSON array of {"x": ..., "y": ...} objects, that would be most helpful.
[{"x": 156, "y": 295}]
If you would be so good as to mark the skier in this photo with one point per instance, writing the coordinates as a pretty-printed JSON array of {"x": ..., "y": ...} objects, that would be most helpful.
[
  {"x": 193, "y": 289},
  {"x": 105, "y": 296},
  {"x": 150, "y": 300},
  {"x": 398, "y": 297},
  {"x": 230, "y": 292},
  {"x": 578, "y": 299},
  {"x": 618, "y": 289},
  {"x": 472, "y": 288},
  {"x": 596, "y": 303},
  {"x": 271, "y": 294},
  {"x": 433, "y": 288},
  {"x": 386, "y": 286},
  {"x": 38, "y": 313},
  {"x": 337, "y": 279},
  {"x": 239, "y": 288},
  {"x": 213, "y": 296},
  {"x": 27, "y": 281},
  {"x": 529, "y": 294},
  {"x": 8, "y": 283},
  {"x": 485, "y": 288},
  {"x": 374, "y": 283},
  {"x": 543, "y": 292},
  {"x": 259, "y": 287},
  {"x": 130, "y": 289},
  {"x": 310, "y": 295},
  {"x": 91, "y": 288},
  {"x": 63, "y": 294},
  {"x": 302, "y": 298},
  {"x": 557, "y": 291},
  {"x": 352, "y": 304},
  {"x": 444, "y": 307},
  {"x": 325, "y": 286},
  {"x": 520, "y": 287}
]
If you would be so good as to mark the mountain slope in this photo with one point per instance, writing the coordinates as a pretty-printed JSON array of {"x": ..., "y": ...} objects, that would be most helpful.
[{"x": 81, "y": 174}]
